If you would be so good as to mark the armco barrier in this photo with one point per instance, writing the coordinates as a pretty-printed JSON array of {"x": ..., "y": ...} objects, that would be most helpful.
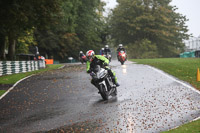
[{"x": 11, "y": 67}]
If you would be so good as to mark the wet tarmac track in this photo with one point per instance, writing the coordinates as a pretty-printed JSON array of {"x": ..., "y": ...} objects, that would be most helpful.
[{"x": 65, "y": 101}]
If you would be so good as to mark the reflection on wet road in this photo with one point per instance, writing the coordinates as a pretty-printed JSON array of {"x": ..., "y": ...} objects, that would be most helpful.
[
  {"x": 147, "y": 101},
  {"x": 124, "y": 69}
]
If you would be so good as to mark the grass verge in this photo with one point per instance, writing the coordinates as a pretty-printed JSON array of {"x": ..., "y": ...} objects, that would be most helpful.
[
  {"x": 13, "y": 78},
  {"x": 192, "y": 127},
  {"x": 2, "y": 91},
  {"x": 184, "y": 69}
]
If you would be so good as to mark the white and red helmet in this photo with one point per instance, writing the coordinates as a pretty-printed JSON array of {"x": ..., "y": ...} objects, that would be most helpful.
[{"x": 90, "y": 55}]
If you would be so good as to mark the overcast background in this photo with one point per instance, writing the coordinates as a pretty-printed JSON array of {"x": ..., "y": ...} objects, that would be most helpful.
[{"x": 189, "y": 8}]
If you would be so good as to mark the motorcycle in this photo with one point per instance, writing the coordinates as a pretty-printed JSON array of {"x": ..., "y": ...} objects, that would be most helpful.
[
  {"x": 83, "y": 59},
  {"x": 122, "y": 57},
  {"x": 103, "y": 82}
]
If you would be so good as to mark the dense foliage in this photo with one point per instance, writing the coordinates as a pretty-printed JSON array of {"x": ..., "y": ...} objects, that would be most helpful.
[
  {"x": 79, "y": 27},
  {"x": 149, "y": 28},
  {"x": 19, "y": 17},
  {"x": 61, "y": 28}
]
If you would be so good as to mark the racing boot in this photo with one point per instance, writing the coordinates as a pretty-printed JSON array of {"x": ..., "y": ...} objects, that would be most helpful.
[
  {"x": 117, "y": 84},
  {"x": 114, "y": 79}
]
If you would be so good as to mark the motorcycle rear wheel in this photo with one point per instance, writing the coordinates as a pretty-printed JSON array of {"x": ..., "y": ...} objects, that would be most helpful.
[{"x": 103, "y": 92}]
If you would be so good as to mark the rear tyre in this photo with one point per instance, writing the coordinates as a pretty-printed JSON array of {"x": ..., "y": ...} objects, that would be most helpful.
[{"x": 103, "y": 92}]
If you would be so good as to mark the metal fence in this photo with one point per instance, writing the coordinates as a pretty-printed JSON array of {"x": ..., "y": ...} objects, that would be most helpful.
[{"x": 11, "y": 67}]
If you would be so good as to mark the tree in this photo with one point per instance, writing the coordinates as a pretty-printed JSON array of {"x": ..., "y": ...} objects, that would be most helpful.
[
  {"x": 24, "y": 42},
  {"x": 16, "y": 17},
  {"x": 90, "y": 24},
  {"x": 80, "y": 27},
  {"x": 155, "y": 20},
  {"x": 2, "y": 46},
  {"x": 60, "y": 39},
  {"x": 142, "y": 49},
  {"x": 61, "y": 28}
]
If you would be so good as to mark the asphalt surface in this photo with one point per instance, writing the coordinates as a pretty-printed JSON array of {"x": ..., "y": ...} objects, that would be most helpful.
[{"x": 65, "y": 101}]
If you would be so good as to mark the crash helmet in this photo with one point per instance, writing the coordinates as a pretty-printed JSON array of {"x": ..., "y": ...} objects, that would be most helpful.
[
  {"x": 102, "y": 48},
  {"x": 90, "y": 55},
  {"x": 120, "y": 45},
  {"x": 106, "y": 46},
  {"x": 81, "y": 52}
]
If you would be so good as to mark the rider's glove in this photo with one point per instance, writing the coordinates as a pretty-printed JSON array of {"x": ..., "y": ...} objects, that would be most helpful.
[
  {"x": 91, "y": 74},
  {"x": 105, "y": 64},
  {"x": 89, "y": 71}
]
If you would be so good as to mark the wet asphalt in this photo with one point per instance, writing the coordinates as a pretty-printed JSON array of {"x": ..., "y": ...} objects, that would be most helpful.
[{"x": 64, "y": 101}]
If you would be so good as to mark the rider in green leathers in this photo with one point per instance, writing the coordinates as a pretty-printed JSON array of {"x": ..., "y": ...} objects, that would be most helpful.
[{"x": 94, "y": 60}]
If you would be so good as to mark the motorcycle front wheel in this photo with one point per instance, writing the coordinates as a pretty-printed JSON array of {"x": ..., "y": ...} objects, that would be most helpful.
[
  {"x": 114, "y": 93},
  {"x": 103, "y": 92}
]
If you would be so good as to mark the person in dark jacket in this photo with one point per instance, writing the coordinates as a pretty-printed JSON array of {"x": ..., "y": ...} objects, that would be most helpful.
[
  {"x": 81, "y": 54},
  {"x": 107, "y": 50},
  {"x": 102, "y": 51}
]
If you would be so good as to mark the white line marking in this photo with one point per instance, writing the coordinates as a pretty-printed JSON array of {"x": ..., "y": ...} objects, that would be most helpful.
[
  {"x": 61, "y": 67},
  {"x": 169, "y": 76},
  {"x": 14, "y": 86}
]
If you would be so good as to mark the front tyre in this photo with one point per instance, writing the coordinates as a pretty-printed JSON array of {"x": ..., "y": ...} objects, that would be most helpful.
[
  {"x": 115, "y": 92},
  {"x": 103, "y": 92}
]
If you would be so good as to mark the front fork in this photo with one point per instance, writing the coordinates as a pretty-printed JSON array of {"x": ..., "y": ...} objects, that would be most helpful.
[{"x": 97, "y": 85}]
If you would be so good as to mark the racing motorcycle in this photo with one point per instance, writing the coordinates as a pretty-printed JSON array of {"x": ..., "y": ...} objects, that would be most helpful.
[
  {"x": 122, "y": 57},
  {"x": 83, "y": 59},
  {"x": 103, "y": 82}
]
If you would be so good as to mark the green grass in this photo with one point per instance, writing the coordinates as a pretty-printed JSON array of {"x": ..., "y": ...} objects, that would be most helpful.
[
  {"x": 13, "y": 78},
  {"x": 184, "y": 69},
  {"x": 192, "y": 127},
  {"x": 2, "y": 91}
]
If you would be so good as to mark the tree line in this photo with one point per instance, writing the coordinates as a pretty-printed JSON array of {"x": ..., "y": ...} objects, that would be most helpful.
[
  {"x": 61, "y": 28},
  {"x": 149, "y": 28}
]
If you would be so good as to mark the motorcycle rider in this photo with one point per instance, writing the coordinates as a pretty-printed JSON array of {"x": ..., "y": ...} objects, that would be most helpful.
[
  {"x": 107, "y": 50},
  {"x": 120, "y": 48},
  {"x": 102, "y": 51},
  {"x": 81, "y": 54},
  {"x": 94, "y": 60}
]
